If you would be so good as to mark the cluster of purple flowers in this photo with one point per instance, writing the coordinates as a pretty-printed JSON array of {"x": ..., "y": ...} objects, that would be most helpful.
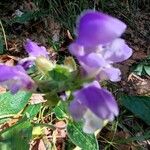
[{"x": 97, "y": 46}]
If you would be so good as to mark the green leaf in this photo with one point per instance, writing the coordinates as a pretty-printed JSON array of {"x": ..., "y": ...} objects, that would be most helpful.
[
  {"x": 26, "y": 16},
  {"x": 12, "y": 104},
  {"x": 18, "y": 136},
  {"x": 139, "y": 69},
  {"x": 81, "y": 139},
  {"x": 59, "y": 79},
  {"x": 52, "y": 99},
  {"x": 32, "y": 110},
  {"x": 139, "y": 105},
  {"x": 60, "y": 73},
  {"x": 61, "y": 110},
  {"x": 147, "y": 69}
]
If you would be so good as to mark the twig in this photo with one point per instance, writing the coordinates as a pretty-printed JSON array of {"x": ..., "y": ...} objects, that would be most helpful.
[
  {"x": 7, "y": 116},
  {"x": 4, "y": 35},
  {"x": 135, "y": 76}
]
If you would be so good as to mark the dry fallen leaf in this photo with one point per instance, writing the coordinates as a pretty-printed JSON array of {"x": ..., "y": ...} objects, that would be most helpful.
[
  {"x": 140, "y": 86},
  {"x": 8, "y": 60},
  {"x": 60, "y": 125},
  {"x": 2, "y": 90},
  {"x": 37, "y": 145},
  {"x": 36, "y": 99}
]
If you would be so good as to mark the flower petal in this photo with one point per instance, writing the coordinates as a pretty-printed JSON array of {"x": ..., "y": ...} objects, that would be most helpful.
[
  {"x": 97, "y": 101},
  {"x": 94, "y": 28},
  {"x": 27, "y": 63},
  {"x": 76, "y": 50},
  {"x": 15, "y": 78},
  {"x": 94, "y": 84},
  {"x": 91, "y": 122},
  {"x": 90, "y": 71},
  {"x": 76, "y": 109},
  {"x": 34, "y": 50},
  {"x": 94, "y": 60},
  {"x": 118, "y": 51},
  {"x": 111, "y": 73}
]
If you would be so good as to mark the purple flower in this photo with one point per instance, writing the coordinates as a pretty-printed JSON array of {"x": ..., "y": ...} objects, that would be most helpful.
[
  {"x": 94, "y": 28},
  {"x": 98, "y": 46},
  {"x": 15, "y": 78},
  {"x": 93, "y": 105},
  {"x": 34, "y": 52}
]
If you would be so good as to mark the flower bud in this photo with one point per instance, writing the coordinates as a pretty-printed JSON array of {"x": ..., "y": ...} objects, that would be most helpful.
[{"x": 44, "y": 65}]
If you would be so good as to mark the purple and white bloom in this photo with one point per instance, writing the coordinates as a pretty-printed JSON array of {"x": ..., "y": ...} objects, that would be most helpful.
[
  {"x": 34, "y": 52},
  {"x": 98, "y": 45},
  {"x": 15, "y": 78},
  {"x": 94, "y": 105}
]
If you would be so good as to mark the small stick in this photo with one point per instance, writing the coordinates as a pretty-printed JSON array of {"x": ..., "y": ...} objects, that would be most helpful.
[
  {"x": 4, "y": 35},
  {"x": 136, "y": 76}
]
